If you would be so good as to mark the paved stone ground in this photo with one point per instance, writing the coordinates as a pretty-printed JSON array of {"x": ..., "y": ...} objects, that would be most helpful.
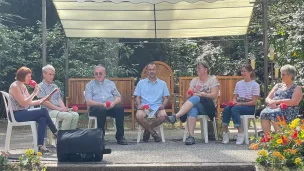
[{"x": 173, "y": 151}]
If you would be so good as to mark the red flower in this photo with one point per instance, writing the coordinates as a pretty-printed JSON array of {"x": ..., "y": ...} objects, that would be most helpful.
[
  {"x": 266, "y": 137},
  {"x": 231, "y": 103},
  {"x": 295, "y": 134},
  {"x": 146, "y": 107},
  {"x": 190, "y": 92},
  {"x": 75, "y": 108},
  {"x": 284, "y": 139},
  {"x": 108, "y": 103},
  {"x": 223, "y": 105},
  {"x": 283, "y": 106},
  {"x": 32, "y": 83}
]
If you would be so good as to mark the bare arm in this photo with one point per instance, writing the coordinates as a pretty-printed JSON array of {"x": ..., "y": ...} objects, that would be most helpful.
[
  {"x": 188, "y": 95},
  {"x": 138, "y": 102},
  {"x": 117, "y": 100},
  {"x": 294, "y": 101},
  {"x": 234, "y": 97},
  {"x": 28, "y": 101},
  {"x": 51, "y": 105},
  {"x": 61, "y": 104},
  {"x": 270, "y": 96},
  {"x": 165, "y": 100},
  {"x": 250, "y": 103},
  {"x": 212, "y": 95}
]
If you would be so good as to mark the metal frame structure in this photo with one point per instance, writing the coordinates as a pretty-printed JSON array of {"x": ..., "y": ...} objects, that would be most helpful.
[{"x": 265, "y": 44}]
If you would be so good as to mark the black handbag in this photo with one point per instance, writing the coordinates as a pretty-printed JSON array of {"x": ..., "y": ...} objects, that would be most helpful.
[{"x": 80, "y": 145}]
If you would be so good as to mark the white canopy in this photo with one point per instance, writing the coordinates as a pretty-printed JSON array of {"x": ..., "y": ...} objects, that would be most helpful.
[{"x": 154, "y": 18}]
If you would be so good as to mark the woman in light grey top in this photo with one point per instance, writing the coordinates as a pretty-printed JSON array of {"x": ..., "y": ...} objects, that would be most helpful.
[{"x": 21, "y": 100}]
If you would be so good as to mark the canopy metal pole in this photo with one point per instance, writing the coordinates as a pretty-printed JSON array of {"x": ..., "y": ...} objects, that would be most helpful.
[
  {"x": 246, "y": 47},
  {"x": 66, "y": 76},
  {"x": 155, "y": 27},
  {"x": 43, "y": 32},
  {"x": 265, "y": 44}
]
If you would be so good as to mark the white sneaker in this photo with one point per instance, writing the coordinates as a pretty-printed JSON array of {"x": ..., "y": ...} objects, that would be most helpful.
[
  {"x": 225, "y": 138},
  {"x": 240, "y": 139}
]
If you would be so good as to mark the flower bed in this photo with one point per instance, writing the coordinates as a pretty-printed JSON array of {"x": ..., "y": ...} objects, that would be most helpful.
[
  {"x": 285, "y": 149},
  {"x": 27, "y": 162}
]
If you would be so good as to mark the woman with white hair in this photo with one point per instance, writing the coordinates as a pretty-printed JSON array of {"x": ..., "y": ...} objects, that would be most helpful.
[{"x": 286, "y": 92}]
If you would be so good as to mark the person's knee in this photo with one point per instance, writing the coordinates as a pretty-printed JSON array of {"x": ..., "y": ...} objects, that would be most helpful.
[
  {"x": 140, "y": 115},
  {"x": 193, "y": 112},
  {"x": 162, "y": 115},
  {"x": 75, "y": 115},
  {"x": 235, "y": 110},
  {"x": 194, "y": 99},
  {"x": 66, "y": 116},
  {"x": 42, "y": 120},
  {"x": 44, "y": 111}
]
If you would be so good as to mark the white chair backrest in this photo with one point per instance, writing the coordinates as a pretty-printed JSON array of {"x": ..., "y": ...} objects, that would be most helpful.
[
  {"x": 85, "y": 101},
  {"x": 8, "y": 107}
]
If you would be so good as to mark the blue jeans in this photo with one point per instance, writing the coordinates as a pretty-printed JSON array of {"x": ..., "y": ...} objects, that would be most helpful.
[
  {"x": 198, "y": 107},
  {"x": 235, "y": 113},
  {"x": 39, "y": 115}
]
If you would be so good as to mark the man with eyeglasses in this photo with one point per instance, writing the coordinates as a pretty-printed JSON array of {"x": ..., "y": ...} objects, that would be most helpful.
[
  {"x": 55, "y": 105},
  {"x": 104, "y": 100}
]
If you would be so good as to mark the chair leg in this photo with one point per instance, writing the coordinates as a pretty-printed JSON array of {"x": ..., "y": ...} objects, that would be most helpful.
[
  {"x": 205, "y": 124},
  {"x": 161, "y": 130},
  {"x": 8, "y": 137},
  {"x": 245, "y": 127},
  {"x": 34, "y": 132},
  {"x": 185, "y": 132},
  {"x": 255, "y": 128},
  {"x": 215, "y": 129},
  {"x": 139, "y": 133},
  {"x": 95, "y": 125},
  {"x": 133, "y": 119},
  {"x": 202, "y": 128},
  {"x": 89, "y": 123}
]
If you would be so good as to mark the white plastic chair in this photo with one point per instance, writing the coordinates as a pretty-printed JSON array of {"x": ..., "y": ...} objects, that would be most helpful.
[
  {"x": 50, "y": 135},
  {"x": 161, "y": 130},
  {"x": 93, "y": 118},
  {"x": 245, "y": 122},
  {"x": 204, "y": 128},
  {"x": 13, "y": 122}
]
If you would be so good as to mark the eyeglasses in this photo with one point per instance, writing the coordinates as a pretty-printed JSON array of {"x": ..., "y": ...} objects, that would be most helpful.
[
  {"x": 98, "y": 73},
  {"x": 282, "y": 75}
]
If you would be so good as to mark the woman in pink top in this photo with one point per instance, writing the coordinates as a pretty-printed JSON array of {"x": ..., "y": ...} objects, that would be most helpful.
[
  {"x": 21, "y": 100},
  {"x": 245, "y": 95}
]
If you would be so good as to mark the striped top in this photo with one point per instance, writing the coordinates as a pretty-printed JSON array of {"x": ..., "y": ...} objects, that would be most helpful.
[
  {"x": 15, "y": 105},
  {"x": 246, "y": 90}
]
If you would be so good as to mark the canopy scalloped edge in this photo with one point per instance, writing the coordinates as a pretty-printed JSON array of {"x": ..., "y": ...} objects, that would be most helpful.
[{"x": 148, "y": 1}]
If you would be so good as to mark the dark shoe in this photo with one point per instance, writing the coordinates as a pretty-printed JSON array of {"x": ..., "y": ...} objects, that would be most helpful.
[
  {"x": 171, "y": 119},
  {"x": 43, "y": 149},
  {"x": 122, "y": 141},
  {"x": 156, "y": 137},
  {"x": 146, "y": 136},
  {"x": 190, "y": 140}
]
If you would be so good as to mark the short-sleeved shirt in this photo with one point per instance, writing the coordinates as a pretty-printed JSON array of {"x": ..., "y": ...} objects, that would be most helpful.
[
  {"x": 46, "y": 89},
  {"x": 151, "y": 93},
  {"x": 246, "y": 90},
  {"x": 206, "y": 87},
  {"x": 101, "y": 91}
]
